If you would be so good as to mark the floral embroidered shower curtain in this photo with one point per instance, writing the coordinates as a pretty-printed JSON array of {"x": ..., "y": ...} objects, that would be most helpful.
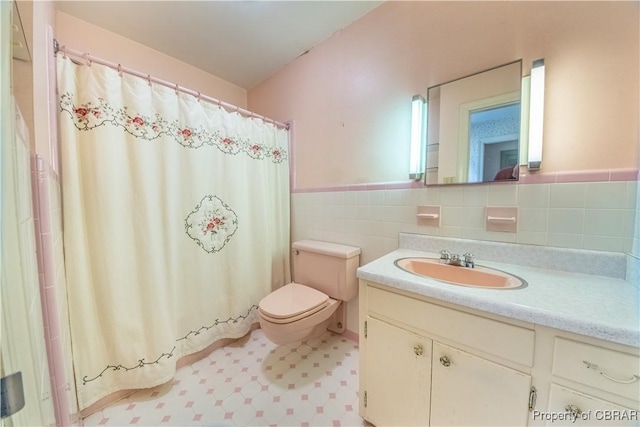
[{"x": 176, "y": 224}]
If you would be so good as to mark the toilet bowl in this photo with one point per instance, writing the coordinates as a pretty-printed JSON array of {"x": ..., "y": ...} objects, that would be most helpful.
[
  {"x": 306, "y": 308},
  {"x": 295, "y": 312}
]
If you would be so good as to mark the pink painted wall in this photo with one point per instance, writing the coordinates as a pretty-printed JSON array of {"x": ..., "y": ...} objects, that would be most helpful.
[
  {"x": 350, "y": 96},
  {"x": 80, "y": 35}
]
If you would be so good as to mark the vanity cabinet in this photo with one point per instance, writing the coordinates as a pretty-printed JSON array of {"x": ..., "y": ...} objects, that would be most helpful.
[
  {"x": 426, "y": 364},
  {"x": 399, "y": 380},
  {"x": 473, "y": 391}
]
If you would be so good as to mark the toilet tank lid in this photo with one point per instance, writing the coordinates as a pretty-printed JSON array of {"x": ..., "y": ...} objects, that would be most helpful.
[{"x": 326, "y": 248}]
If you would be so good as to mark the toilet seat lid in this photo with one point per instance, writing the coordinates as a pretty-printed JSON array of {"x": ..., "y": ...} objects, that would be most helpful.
[{"x": 292, "y": 300}]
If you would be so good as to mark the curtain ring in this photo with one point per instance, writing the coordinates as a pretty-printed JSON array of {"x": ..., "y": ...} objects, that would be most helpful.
[
  {"x": 120, "y": 70},
  {"x": 87, "y": 59},
  {"x": 199, "y": 97},
  {"x": 177, "y": 88},
  {"x": 64, "y": 51},
  {"x": 219, "y": 102},
  {"x": 149, "y": 79}
]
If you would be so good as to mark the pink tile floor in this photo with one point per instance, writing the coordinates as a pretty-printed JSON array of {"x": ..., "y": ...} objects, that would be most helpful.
[{"x": 252, "y": 382}]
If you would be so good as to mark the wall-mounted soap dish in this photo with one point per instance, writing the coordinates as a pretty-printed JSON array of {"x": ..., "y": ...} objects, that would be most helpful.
[
  {"x": 503, "y": 219},
  {"x": 429, "y": 215}
]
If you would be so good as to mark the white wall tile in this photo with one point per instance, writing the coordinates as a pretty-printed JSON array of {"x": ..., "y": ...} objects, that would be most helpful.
[
  {"x": 565, "y": 240},
  {"x": 451, "y": 196},
  {"x": 604, "y": 222},
  {"x": 450, "y": 216},
  {"x": 376, "y": 198},
  {"x": 606, "y": 195},
  {"x": 410, "y": 197},
  {"x": 603, "y": 243},
  {"x": 351, "y": 198},
  {"x": 566, "y": 221},
  {"x": 472, "y": 217},
  {"x": 475, "y": 195},
  {"x": 392, "y": 197},
  {"x": 502, "y": 195},
  {"x": 363, "y": 198},
  {"x": 533, "y": 219},
  {"x": 532, "y": 238},
  {"x": 430, "y": 196},
  {"x": 533, "y": 196},
  {"x": 632, "y": 195},
  {"x": 570, "y": 195},
  {"x": 364, "y": 212}
]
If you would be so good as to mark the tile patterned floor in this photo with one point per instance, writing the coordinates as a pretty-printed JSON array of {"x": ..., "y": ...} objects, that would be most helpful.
[{"x": 252, "y": 383}]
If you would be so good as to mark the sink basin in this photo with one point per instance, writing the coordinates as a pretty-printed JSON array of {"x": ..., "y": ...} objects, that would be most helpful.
[{"x": 478, "y": 277}]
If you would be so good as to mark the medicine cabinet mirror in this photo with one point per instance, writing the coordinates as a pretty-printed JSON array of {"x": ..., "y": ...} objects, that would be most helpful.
[{"x": 474, "y": 126}]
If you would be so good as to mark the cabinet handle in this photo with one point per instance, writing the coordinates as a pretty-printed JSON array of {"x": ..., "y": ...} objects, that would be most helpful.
[
  {"x": 573, "y": 410},
  {"x": 596, "y": 368},
  {"x": 418, "y": 349},
  {"x": 444, "y": 361}
]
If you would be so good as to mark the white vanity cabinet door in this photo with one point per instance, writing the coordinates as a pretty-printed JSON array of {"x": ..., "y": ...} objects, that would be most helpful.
[
  {"x": 467, "y": 390},
  {"x": 398, "y": 375},
  {"x": 571, "y": 408}
]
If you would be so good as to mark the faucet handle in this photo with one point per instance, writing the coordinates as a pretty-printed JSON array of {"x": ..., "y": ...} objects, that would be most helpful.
[
  {"x": 468, "y": 260},
  {"x": 445, "y": 254}
]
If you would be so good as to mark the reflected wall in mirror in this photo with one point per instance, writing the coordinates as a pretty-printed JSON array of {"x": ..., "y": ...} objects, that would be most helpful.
[{"x": 473, "y": 128}]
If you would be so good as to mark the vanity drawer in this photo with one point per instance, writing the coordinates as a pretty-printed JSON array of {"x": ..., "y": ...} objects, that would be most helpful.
[
  {"x": 572, "y": 408},
  {"x": 598, "y": 367},
  {"x": 503, "y": 340}
]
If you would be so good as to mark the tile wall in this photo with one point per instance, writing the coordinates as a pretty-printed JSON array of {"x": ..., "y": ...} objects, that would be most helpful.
[
  {"x": 23, "y": 348},
  {"x": 582, "y": 215},
  {"x": 594, "y": 215},
  {"x": 48, "y": 226}
]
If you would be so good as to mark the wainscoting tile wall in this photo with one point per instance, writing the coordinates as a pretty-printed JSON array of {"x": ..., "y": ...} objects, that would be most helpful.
[{"x": 598, "y": 216}]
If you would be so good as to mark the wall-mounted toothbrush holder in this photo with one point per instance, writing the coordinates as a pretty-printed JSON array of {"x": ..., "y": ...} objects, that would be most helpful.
[
  {"x": 503, "y": 219},
  {"x": 429, "y": 215}
]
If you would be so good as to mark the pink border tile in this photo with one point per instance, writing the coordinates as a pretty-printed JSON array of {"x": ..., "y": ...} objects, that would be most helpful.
[
  {"x": 625, "y": 175},
  {"x": 602, "y": 175},
  {"x": 586, "y": 176},
  {"x": 544, "y": 178}
]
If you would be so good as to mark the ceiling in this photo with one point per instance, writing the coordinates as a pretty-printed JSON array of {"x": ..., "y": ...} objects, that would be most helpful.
[{"x": 242, "y": 42}]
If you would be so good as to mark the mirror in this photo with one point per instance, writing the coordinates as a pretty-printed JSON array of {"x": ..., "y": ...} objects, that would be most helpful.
[{"x": 473, "y": 128}]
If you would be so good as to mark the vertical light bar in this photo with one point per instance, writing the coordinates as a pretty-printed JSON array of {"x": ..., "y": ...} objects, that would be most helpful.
[
  {"x": 536, "y": 114},
  {"x": 418, "y": 137}
]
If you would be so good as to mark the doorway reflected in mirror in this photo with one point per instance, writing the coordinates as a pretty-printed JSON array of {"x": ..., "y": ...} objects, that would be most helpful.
[{"x": 493, "y": 143}]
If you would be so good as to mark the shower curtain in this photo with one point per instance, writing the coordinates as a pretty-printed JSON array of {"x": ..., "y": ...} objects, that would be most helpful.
[{"x": 176, "y": 224}]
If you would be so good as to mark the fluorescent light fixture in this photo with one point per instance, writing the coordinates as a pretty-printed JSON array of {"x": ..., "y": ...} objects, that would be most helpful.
[
  {"x": 536, "y": 114},
  {"x": 418, "y": 137}
]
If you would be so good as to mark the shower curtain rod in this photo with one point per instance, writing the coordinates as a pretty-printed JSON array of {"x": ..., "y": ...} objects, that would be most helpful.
[{"x": 88, "y": 59}]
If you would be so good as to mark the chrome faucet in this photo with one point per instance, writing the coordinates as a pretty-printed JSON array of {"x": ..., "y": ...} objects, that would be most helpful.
[{"x": 466, "y": 260}]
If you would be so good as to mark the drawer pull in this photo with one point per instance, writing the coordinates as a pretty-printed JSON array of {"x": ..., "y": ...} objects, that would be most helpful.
[
  {"x": 596, "y": 368},
  {"x": 418, "y": 349},
  {"x": 573, "y": 410},
  {"x": 444, "y": 361}
]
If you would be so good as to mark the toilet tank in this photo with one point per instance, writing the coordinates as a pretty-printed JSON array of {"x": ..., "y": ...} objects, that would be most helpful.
[{"x": 327, "y": 267}]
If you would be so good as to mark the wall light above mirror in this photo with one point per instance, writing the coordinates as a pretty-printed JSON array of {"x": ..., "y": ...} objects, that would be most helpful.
[{"x": 474, "y": 128}]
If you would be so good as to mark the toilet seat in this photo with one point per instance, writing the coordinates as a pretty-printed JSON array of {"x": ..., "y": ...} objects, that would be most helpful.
[{"x": 292, "y": 302}]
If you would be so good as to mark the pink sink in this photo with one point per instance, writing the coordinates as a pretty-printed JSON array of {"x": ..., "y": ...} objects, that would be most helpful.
[{"x": 478, "y": 277}]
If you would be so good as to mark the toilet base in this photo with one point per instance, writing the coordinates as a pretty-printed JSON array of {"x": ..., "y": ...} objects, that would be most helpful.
[
  {"x": 338, "y": 322},
  {"x": 305, "y": 329}
]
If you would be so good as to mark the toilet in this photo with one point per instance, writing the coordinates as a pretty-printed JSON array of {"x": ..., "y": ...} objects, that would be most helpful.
[{"x": 324, "y": 280}]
